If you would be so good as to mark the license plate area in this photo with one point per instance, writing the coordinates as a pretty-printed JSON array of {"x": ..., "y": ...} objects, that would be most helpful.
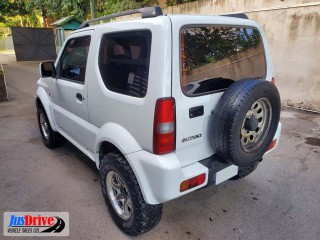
[{"x": 226, "y": 174}]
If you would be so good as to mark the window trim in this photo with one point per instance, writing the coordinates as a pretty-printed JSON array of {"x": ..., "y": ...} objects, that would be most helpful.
[
  {"x": 182, "y": 28},
  {"x": 58, "y": 68},
  {"x": 150, "y": 47}
]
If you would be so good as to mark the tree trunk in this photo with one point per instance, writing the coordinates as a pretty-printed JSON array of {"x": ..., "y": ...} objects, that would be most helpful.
[
  {"x": 21, "y": 21},
  {"x": 44, "y": 16}
]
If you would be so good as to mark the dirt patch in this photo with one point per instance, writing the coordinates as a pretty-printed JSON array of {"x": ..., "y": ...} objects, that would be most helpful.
[
  {"x": 3, "y": 89},
  {"x": 307, "y": 106},
  {"x": 35, "y": 140},
  {"x": 313, "y": 141},
  {"x": 295, "y": 22}
]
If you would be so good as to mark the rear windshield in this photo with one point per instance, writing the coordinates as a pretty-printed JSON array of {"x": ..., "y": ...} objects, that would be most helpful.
[{"x": 214, "y": 57}]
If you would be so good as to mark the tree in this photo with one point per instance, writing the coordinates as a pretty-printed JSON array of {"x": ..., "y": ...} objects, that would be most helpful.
[
  {"x": 62, "y": 8},
  {"x": 27, "y": 12},
  {"x": 11, "y": 10},
  {"x": 113, "y": 6},
  {"x": 176, "y": 2},
  {"x": 56, "y": 9}
]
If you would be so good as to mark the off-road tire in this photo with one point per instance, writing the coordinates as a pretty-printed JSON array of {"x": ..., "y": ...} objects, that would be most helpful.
[
  {"x": 245, "y": 171},
  {"x": 54, "y": 139},
  {"x": 229, "y": 116},
  {"x": 144, "y": 216}
]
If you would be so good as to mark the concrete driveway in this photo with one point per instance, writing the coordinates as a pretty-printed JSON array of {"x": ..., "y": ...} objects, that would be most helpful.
[{"x": 280, "y": 200}]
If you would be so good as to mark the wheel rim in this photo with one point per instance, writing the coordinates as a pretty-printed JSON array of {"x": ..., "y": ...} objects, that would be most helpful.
[
  {"x": 255, "y": 125},
  {"x": 119, "y": 195},
  {"x": 44, "y": 126}
]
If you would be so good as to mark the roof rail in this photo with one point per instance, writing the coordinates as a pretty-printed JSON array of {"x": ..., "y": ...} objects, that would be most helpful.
[
  {"x": 236, "y": 15},
  {"x": 147, "y": 12}
]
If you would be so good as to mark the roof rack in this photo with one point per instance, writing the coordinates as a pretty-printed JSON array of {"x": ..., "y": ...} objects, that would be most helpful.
[
  {"x": 236, "y": 15},
  {"x": 147, "y": 12}
]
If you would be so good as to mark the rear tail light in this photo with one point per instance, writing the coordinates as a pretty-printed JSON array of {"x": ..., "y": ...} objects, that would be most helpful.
[
  {"x": 164, "y": 132},
  {"x": 272, "y": 145},
  {"x": 273, "y": 81},
  {"x": 192, "y": 182}
]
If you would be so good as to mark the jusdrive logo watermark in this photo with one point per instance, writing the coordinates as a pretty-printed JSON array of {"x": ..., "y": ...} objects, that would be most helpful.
[{"x": 36, "y": 223}]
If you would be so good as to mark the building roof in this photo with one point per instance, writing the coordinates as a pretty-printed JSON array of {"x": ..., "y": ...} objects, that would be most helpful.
[{"x": 64, "y": 20}]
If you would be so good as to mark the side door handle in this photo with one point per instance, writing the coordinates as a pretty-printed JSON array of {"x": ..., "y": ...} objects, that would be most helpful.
[{"x": 79, "y": 96}]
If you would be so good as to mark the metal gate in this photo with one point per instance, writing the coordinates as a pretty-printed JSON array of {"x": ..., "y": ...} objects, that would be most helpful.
[{"x": 33, "y": 44}]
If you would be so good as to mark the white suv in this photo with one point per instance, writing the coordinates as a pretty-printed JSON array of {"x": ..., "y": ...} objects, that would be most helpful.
[{"x": 164, "y": 105}]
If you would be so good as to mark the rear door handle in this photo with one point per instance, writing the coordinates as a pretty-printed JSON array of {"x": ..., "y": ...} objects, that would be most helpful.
[
  {"x": 79, "y": 96},
  {"x": 196, "y": 112}
]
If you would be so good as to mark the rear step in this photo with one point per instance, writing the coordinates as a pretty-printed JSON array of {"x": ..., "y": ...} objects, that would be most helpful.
[{"x": 219, "y": 171}]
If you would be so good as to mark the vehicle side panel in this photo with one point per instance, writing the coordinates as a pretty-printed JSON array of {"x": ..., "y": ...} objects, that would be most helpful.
[{"x": 132, "y": 113}]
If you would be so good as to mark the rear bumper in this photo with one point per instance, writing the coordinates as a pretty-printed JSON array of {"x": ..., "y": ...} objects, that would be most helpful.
[
  {"x": 276, "y": 137},
  {"x": 160, "y": 176}
]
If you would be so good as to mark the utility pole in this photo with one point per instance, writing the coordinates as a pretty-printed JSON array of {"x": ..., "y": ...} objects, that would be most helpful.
[{"x": 92, "y": 8}]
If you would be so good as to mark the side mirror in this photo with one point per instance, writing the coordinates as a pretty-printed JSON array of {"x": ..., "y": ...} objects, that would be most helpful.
[{"x": 47, "y": 69}]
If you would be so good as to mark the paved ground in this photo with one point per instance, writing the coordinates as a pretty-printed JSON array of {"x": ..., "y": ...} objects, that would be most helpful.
[{"x": 280, "y": 200}]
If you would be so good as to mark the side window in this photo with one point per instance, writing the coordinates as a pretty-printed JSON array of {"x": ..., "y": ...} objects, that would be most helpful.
[
  {"x": 124, "y": 62},
  {"x": 74, "y": 59}
]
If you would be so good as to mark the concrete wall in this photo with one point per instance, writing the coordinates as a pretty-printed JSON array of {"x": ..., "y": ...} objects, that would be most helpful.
[
  {"x": 6, "y": 43},
  {"x": 293, "y": 33},
  {"x": 162, "y": 3},
  {"x": 247, "y": 63},
  {"x": 225, "y": 6}
]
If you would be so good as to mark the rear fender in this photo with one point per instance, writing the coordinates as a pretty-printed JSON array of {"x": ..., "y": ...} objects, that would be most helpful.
[{"x": 119, "y": 137}]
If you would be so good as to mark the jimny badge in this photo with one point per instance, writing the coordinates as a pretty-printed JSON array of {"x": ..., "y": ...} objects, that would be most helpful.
[{"x": 36, "y": 224}]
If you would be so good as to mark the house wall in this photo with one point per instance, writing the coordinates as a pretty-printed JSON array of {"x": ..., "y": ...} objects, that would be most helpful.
[
  {"x": 293, "y": 33},
  {"x": 71, "y": 25}
]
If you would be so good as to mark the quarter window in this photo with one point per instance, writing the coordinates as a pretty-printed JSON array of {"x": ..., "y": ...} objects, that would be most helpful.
[
  {"x": 124, "y": 62},
  {"x": 74, "y": 59}
]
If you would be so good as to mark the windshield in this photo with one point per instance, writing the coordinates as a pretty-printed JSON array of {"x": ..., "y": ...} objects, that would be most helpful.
[{"x": 213, "y": 57}]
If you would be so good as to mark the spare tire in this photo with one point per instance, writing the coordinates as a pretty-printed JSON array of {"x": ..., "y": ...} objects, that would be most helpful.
[{"x": 245, "y": 121}]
